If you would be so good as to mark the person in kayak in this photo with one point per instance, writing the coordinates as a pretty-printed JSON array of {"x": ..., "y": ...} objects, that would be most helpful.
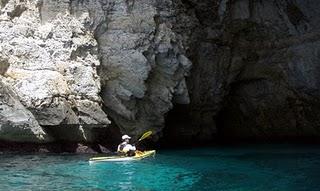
[{"x": 125, "y": 147}]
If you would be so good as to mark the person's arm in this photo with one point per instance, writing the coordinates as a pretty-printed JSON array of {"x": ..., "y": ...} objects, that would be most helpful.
[{"x": 133, "y": 148}]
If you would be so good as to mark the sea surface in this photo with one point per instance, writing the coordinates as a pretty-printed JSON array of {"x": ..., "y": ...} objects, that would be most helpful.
[{"x": 237, "y": 168}]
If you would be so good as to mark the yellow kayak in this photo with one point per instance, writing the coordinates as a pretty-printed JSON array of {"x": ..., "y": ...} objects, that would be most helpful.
[{"x": 138, "y": 156}]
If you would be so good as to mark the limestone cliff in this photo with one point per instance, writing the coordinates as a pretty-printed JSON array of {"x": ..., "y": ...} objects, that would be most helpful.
[
  {"x": 52, "y": 66},
  {"x": 236, "y": 68},
  {"x": 61, "y": 52}
]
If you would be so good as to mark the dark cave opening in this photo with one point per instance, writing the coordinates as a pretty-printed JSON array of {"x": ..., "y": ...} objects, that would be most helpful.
[
  {"x": 182, "y": 129},
  {"x": 177, "y": 122}
]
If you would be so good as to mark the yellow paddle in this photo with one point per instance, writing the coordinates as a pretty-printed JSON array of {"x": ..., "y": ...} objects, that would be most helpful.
[{"x": 145, "y": 135}]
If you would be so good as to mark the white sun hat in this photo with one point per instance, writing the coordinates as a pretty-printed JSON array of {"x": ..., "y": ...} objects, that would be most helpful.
[{"x": 125, "y": 137}]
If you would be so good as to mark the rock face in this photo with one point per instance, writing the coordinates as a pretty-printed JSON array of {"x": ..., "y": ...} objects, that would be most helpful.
[
  {"x": 55, "y": 48},
  {"x": 53, "y": 65},
  {"x": 254, "y": 65},
  {"x": 255, "y": 69},
  {"x": 141, "y": 94},
  {"x": 143, "y": 62},
  {"x": 17, "y": 123}
]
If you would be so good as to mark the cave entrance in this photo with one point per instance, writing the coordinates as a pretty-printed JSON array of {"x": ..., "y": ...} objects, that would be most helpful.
[
  {"x": 178, "y": 126},
  {"x": 184, "y": 127}
]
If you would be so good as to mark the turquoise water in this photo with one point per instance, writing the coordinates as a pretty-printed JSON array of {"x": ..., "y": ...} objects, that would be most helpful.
[{"x": 247, "y": 168}]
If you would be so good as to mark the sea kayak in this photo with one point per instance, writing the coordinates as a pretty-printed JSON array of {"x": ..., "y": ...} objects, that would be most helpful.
[{"x": 138, "y": 156}]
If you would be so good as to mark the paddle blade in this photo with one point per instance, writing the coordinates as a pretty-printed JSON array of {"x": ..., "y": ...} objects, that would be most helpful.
[{"x": 145, "y": 135}]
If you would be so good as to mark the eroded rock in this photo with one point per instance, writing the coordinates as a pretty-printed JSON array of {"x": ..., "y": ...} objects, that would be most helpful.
[
  {"x": 254, "y": 64},
  {"x": 17, "y": 124},
  {"x": 53, "y": 64},
  {"x": 143, "y": 62}
]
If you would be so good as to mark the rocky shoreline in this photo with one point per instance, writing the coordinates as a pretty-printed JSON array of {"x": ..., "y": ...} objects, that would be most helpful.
[{"x": 58, "y": 148}]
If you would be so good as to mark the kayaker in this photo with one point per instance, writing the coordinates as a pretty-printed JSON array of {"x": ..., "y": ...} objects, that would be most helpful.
[{"x": 125, "y": 147}]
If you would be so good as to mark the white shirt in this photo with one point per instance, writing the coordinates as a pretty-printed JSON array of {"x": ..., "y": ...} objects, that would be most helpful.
[{"x": 126, "y": 148}]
